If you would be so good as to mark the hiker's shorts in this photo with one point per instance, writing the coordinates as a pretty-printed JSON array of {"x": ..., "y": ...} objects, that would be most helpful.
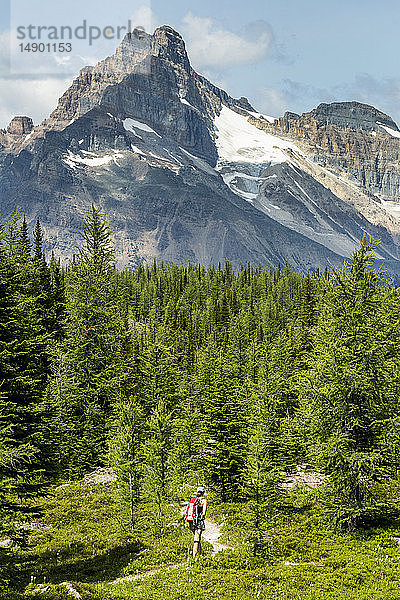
[{"x": 199, "y": 526}]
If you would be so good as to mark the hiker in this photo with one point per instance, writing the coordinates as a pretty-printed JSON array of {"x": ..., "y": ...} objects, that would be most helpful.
[{"x": 195, "y": 516}]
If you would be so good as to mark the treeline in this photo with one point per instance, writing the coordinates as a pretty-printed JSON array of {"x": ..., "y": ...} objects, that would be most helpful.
[{"x": 179, "y": 375}]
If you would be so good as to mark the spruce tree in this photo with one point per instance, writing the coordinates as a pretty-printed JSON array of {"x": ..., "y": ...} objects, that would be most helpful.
[
  {"x": 24, "y": 245},
  {"x": 349, "y": 395},
  {"x": 38, "y": 241},
  {"x": 157, "y": 462},
  {"x": 89, "y": 363},
  {"x": 261, "y": 475},
  {"x": 225, "y": 414},
  {"x": 24, "y": 368},
  {"x": 127, "y": 437}
]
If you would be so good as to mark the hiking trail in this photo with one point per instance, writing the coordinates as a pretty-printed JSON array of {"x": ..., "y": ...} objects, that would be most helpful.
[{"x": 211, "y": 534}]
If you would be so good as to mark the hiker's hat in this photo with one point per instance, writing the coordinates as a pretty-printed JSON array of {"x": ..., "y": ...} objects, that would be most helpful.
[{"x": 201, "y": 489}]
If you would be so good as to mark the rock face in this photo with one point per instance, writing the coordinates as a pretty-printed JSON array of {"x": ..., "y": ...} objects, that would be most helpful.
[
  {"x": 349, "y": 137},
  {"x": 184, "y": 172},
  {"x": 351, "y": 115},
  {"x": 151, "y": 79},
  {"x": 20, "y": 126}
]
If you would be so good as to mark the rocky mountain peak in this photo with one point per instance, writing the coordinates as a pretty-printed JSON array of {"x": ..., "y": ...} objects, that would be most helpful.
[
  {"x": 172, "y": 47},
  {"x": 20, "y": 126},
  {"x": 170, "y": 40},
  {"x": 351, "y": 115},
  {"x": 349, "y": 137},
  {"x": 135, "y": 48},
  {"x": 148, "y": 78},
  {"x": 179, "y": 168}
]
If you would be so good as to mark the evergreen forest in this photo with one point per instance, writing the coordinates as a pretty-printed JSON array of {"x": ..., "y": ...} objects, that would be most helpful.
[{"x": 122, "y": 390}]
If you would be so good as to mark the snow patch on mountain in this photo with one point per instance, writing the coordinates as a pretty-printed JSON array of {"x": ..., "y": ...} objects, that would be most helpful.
[
  {"x": 91, "y": 160},
  {"x": 137, "y": 150},
  {"x": 131, "y": 125},
  {"x": 187, "y": 103},
  {"x": 199, "y": 162},
  {"x": 164, "y": 159},
  {"x": 241, "y": 183},
  {"x": 390, "y": 131},
  {"x": 245, "y": 151},
  {"x": 228, "y": 177},
  {"x": 258, "y": 115},
  {"x": 237, "y": 140}
]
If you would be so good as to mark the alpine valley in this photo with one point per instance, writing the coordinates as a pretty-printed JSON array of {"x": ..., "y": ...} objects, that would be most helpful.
[{"x": 185, "y": 173}]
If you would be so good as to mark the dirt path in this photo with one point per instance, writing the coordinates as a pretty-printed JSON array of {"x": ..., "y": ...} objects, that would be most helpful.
[
  {"x": 212, "y": 534},
  {"x": 146, "y": 574}
]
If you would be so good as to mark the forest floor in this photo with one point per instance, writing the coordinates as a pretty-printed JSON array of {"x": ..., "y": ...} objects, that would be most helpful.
[
  {"x": 79, "y": 545},
  {"x": 211, "y": 534}
]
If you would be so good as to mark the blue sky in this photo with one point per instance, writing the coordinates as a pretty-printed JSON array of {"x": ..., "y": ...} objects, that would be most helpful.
[{"x": 282, "y": 55}]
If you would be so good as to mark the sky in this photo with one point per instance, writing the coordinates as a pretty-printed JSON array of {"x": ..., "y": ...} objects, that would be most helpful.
[{"x": 282, "y": 55}]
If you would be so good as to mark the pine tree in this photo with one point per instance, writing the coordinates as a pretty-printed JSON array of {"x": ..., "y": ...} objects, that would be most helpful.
[
  {"x": 127, "y": 436},
  {"x": 189, "y": 438},
  {"x": 261, "y": 474},
  {"x": 97, "y": 253},
  {"x": 89, "y": 364},
  {"x": 226, "y": 423},
  {"x": 157, "y": 464},
  {"x": 349, "y": 395},
  {"x": 24, "y": 367},
  {"x": 24, "y": 245},
  {"x": 57, "y": 284},
  {"x": 38, "y": 241}
]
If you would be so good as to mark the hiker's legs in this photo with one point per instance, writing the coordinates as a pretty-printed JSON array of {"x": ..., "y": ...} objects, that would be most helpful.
[{"x": 197, "y": 543}]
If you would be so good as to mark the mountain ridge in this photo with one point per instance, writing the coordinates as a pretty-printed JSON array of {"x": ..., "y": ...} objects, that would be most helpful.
[{"x": 184, "y": 172}]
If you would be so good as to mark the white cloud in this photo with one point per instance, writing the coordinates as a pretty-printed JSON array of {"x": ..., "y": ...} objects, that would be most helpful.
[
  {"x": 34, "y": 98},
  {"x": 210, "y": 45},
  {"x": 144, "y": 17},
  {"x": 62, "y": 60}
]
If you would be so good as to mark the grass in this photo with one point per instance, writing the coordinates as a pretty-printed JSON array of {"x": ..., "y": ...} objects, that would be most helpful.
[
  {"x": 84, "y": 539},
  {"x": 303, "y": 559},
  {"x": 83, "y": 536}
]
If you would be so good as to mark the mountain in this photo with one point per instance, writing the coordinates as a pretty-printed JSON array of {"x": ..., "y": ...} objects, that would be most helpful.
[{"x": 184, "y": 172}]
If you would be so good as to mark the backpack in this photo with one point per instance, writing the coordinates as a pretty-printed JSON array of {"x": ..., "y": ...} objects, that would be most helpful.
[{"x": 192, "y": 509}]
